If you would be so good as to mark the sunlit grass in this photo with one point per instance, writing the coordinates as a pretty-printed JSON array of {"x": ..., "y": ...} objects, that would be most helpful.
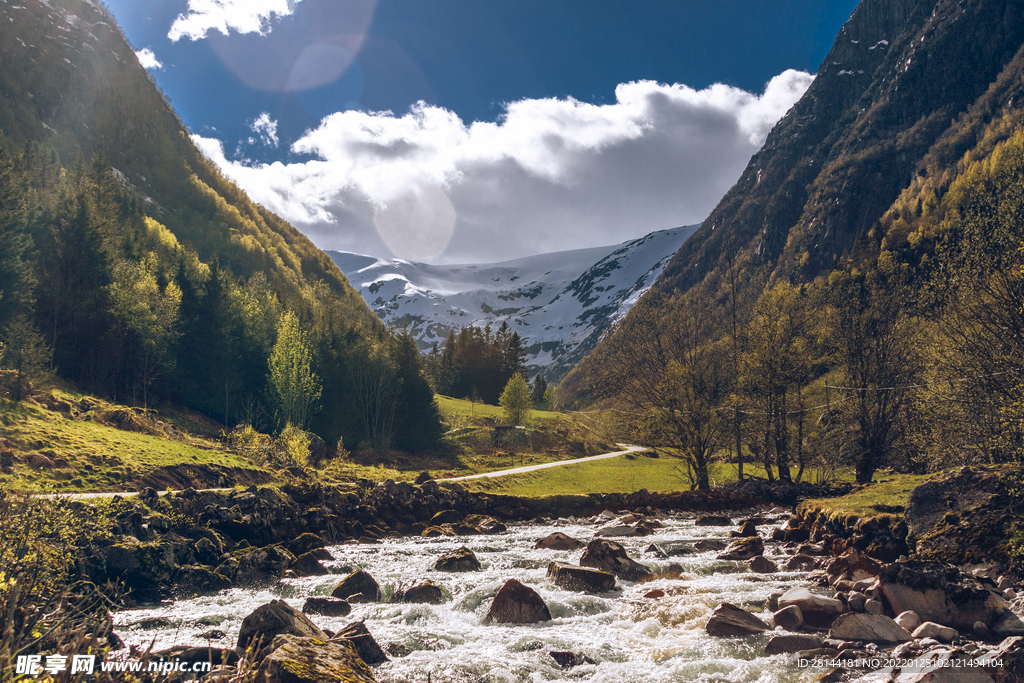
[
  {"x": 890, "y": 491},
  {"x": 100, "y": 458}
]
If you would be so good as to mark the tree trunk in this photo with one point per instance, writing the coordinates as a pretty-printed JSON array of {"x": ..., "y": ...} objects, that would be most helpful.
[{"x": 739, "y": 446}]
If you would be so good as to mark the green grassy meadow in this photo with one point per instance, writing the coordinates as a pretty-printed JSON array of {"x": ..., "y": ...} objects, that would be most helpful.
[{"x": 99, "y": 457}]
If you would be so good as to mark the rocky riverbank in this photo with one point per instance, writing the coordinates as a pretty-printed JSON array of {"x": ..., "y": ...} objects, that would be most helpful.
[
  {"x": 196, "y": 542},
  {"x": 875, "y": 614}
]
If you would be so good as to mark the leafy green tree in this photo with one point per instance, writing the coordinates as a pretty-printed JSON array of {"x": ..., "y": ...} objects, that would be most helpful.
[
  {"x": 294, "y": 386},
  {"x": 515, "y": 400},
  {"x": 148, "y": 315},
  {"x": 26, "y": 352}
]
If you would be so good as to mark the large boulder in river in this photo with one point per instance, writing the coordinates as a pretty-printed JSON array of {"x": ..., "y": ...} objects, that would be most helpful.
[
  {"x": 743, "y": 549},
  {"x": 583, "y": 579},
  {"x": 517, "y": 604},
  {"x": 425, "y": 591},
  {"x": 873, "y": 628},
  {"x": 559, "y": 541},
  {"x": 730, "y": 620},
  {"x": 941, "y": 593},
  {"x": 460, "y": 560},
  {"x": 329, "y": 607},
  {"x": 273, "y": 619},
  {"x": 294, "y": 659},
  {"x": 358, "y": 582},
  {"x": 611, "y": 557}
]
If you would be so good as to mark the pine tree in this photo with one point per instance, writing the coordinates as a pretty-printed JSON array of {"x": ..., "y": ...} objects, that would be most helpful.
[
  {"x": 419, "y": 423},
  {"x": 540, "y": 388}
]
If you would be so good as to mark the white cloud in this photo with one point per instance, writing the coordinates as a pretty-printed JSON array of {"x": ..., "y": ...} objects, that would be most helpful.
[
  {"x": 147, "y": 59},
  {"x": 266, "y": 129},
  {"x": 242, "y": 16},
  {"x": 551, "y": 174}
]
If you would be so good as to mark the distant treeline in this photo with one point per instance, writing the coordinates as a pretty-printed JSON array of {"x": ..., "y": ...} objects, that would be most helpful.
[{"x": 477, "y": 363}]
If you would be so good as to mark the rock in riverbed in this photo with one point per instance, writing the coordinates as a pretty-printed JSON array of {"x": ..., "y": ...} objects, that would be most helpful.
[
  {"x": 580, "y": 578},
  {"x": 295, "y": 659},
  {"x": 730, "y": 620},
  {"x": 611, "y": 557},
  {"x": 517, "y": 604}
]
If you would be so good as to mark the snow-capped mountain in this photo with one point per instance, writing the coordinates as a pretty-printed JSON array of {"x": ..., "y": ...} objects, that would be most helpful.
[{"x": 560, "y": 303}]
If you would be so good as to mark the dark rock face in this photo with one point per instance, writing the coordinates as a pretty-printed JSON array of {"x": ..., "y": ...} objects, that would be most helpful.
[
  {"x": 611, "y": 557},
  {"x": 730, "y": 620},
  {"x": 295, "y": 659},
  {"x": 461, "y": 560},
  {"x": 329, "y": 607},
  {"x": 559, "y": 541},
  {"x": 366, "y": 647},
  {"x": 273, "y": 619},
  {"x": 517, "y": 604},
  {"x": 358, "y": 582},
  {"x": 582, "y": 579},
  {"x": 427, "y": 592},
  {"x": 939, "y": 592}
]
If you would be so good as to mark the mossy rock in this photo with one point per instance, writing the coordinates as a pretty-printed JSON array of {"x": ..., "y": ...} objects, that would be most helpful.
[{"x": 311, "y": 660}]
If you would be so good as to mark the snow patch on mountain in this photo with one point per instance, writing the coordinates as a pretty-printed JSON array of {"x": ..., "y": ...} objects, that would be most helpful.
[{"x": 561, "y": 303}]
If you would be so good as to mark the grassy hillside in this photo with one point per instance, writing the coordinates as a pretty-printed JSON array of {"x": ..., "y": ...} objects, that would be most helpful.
[{"x": 65, "y": 442}]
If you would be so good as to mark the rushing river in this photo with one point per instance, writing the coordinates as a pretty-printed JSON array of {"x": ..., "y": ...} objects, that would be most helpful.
[{"x": 630, "y": 637}]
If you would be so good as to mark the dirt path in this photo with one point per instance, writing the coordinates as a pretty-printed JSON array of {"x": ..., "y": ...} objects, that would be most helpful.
[
  {"x": 498, "y": 473},
  {"x": 533, "y": 468}
]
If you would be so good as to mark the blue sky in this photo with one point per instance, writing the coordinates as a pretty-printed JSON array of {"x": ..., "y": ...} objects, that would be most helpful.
[{"x": 479, "y": 130}]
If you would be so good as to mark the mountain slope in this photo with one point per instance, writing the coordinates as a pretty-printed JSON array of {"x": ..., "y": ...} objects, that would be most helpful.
[
  {"x": 133, "y": 268},
  {"x": 70, "y": 82},
  {"x": 908, "y": 87},
  {"x": 560, "y": 303}
]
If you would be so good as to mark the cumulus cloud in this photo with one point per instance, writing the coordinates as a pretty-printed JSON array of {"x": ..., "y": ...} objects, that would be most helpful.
[
  {"x": 241, "y": 16},
  {"x": 550, "y": 174},
  {"x": 266, "y": 130},
  {"x": 147, "y": 59}
]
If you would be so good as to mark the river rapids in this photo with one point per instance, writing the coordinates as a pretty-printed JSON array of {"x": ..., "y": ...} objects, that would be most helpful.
[{"x": 629, "y": 638}]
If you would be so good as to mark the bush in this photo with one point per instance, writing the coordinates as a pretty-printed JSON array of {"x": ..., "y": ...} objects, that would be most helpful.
[{"x": 292, "y": 447}]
